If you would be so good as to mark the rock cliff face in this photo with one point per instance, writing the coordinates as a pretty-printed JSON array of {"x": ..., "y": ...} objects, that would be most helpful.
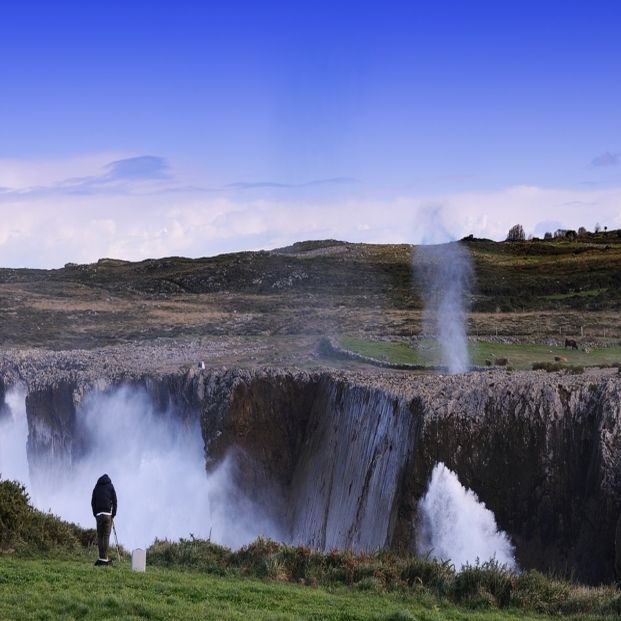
[
  {"x": 543, "y": 454},
  {"x": 344, "y": 491},
  {"x": 3, "y": 409},
  {"x": 342, "y": 459},
  {"x": 53, "y": 438}
]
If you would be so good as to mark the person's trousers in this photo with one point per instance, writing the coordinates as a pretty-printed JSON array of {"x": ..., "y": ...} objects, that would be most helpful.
[{"x": 104, "y": 526}]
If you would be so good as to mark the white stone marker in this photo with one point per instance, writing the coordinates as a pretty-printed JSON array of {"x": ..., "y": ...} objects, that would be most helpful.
[{"x": 139, "y": 560}]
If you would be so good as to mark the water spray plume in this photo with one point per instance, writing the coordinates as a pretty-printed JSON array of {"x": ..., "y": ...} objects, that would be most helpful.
[
  {"x": 445, "y": 276},
  {"x": 454, "y": 525}
]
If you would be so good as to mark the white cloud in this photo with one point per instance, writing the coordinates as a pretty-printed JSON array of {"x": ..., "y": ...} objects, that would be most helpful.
[{"x": 48, "y": 229}]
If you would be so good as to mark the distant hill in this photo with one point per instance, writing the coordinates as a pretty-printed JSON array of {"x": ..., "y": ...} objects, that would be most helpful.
[
  {"x": 311, "y": 287},
  {"x": 583, "y": 273}
]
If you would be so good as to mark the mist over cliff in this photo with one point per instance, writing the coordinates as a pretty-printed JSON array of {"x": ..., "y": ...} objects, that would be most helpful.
[{"x": 155, "y": 460}]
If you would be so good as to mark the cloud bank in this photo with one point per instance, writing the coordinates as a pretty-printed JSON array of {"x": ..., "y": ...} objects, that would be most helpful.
[{"x": 139, "y": 207}]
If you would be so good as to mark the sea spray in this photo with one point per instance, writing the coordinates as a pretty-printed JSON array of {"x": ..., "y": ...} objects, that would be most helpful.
[
  {"x": 156, "y": 462},
  {"x": 454, "y": 525},
  {"x": 445, "y": 276},
  {"x": 13, "y": 437}
]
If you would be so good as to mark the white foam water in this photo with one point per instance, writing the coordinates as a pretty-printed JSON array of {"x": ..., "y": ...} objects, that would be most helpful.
[{"x": 454, "y": 525}]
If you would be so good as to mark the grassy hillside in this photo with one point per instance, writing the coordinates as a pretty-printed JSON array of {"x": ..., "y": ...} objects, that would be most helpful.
[
  {"x": 50, "y": 587},
  {"x": 47, "y": 572},
  {"x": 557, "y": 274},
  {"x": 581, "y": 273},
  {"x": 74, "y": 589},
  {"x": 533, "y": 274}
]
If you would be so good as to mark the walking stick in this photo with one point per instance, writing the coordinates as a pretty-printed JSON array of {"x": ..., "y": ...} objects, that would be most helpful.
[{"x": 116, "y": 539}]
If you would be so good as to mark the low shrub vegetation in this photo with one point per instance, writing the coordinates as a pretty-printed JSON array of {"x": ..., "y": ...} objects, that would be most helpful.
[
  {"x": 487, "y": 585},
  {"x": 25, "y": 529}
]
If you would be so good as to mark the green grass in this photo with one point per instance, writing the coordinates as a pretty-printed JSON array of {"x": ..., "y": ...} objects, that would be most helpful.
[
  {"x": 75, "y": 589},
  {"x": 521, "y": 356},
  {"x": 47, "y": 572},
  {"x": 388, "y": 351}
]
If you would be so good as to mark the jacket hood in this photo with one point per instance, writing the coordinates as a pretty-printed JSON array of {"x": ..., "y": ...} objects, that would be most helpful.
[{"x": 104, "y": 479}]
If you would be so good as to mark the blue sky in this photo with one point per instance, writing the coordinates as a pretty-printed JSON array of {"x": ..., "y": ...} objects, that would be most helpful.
[{"x": 246, "y": 125}]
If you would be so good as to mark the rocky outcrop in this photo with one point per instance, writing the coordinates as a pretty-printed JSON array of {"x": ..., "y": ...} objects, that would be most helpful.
[
  {"x": 55, "y": 427},
  {"x": 343, "y": 458},
  {"x": 264, "y": 415}
]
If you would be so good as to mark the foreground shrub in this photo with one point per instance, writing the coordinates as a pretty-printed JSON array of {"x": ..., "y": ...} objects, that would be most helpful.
[
  {"x": 24, "y": 528},
  {"x": 253, "y": 558},
  {"x": 535, "y": 591},
  {"x": 434, "y": 575},
  {"x": 14, "y": 512},
  {"x": 298, "y": 561},
  {"x": 485, "y": 585},
  {"x": 192, "y": 553}
]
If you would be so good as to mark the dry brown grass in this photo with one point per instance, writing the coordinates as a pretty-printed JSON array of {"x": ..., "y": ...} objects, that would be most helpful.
[{"x": 544, "y": 290}]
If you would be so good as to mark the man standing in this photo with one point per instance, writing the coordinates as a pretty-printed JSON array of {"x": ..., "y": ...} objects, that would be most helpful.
[{"x": 103, "y": 504}]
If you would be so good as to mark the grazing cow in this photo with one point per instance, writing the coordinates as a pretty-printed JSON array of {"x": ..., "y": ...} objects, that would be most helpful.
[
  {"x": 571, "y": 343},
  {"x": 560, "y": 359}
]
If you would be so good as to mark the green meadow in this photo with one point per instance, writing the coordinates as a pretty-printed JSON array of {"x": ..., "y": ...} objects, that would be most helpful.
[
  {"x": 519, "y": 356},
  {"x": 54, "y": 589}
]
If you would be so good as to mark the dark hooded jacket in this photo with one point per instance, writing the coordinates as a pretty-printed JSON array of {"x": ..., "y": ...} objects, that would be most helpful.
[{"x": 104, "y": 496}]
